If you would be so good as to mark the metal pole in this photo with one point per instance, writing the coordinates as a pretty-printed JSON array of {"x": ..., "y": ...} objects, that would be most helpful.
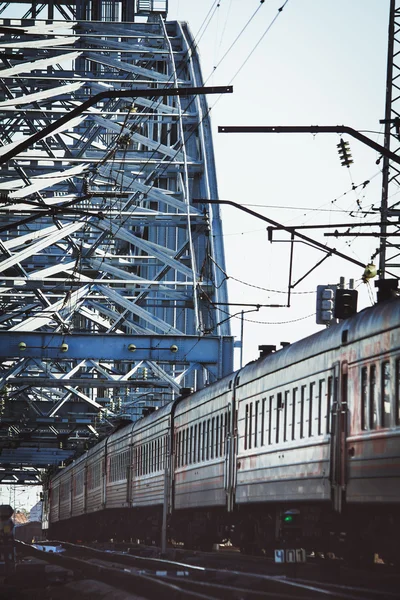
[
  {"x": 241, "y": 339},
  {"x": 386, "y": 162}
]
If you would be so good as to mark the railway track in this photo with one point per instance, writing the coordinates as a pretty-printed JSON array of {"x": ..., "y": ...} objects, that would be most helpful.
[{"x": 161, "y": 578}]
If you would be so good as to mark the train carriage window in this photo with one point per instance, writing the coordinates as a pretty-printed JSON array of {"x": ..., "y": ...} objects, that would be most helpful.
[
  {"x": 293, "y": 424},
  {"x": 385, "y": 394},
  {"x": 364, "y": 398},
  {"x": 179, "y": 448},
  {"x": 191, "y": 446},
  {"x": 212, "y": 437},
  {"x": 263, "y": 421},
  {"x": 246, "y": 426},
  {"x": 329, "y": 404},
  {"x": 302, "y": 406},
  {"x": 285, "y": 416},
  {"x": 398, "y": 392},
  {"x": 203, "y": 442},
  {"x": 217, "y": 436},
  {"x": 311, "y": 409},
  {"x": 250, "y": 425},
  {"x": 321, "y": 395},
  {"x": 256, "y": 410},
  {"x": 373, "y": 417},
  {"x": 199, "y": 445},
  {"x": 187, "y": 446},
  {"x": 149, "y": 457},
  {"x": 279, "y": 405},
  {"x": 271, "y": 399},
  {"x": 195, "y": 444},
  {"x": 225, "y": 431},
  {"x": 208, "y": 440}
]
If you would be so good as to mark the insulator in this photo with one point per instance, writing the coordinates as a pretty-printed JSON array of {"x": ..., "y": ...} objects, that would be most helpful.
[{"x": 370, "y": 272}]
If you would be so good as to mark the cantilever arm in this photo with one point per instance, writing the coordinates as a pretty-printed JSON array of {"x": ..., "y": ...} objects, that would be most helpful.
[{"x": 311, "y": 129}]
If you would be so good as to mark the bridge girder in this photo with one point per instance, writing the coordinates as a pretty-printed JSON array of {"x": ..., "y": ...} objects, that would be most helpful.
[{"x": 101, "y": 247}]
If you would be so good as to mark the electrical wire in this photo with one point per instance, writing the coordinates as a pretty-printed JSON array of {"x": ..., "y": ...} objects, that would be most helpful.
[
  {"x": 236, "y": 40},
  {"x": 259, "y": 41}
]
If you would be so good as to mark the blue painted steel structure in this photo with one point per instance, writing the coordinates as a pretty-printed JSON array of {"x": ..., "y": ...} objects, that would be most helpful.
[{"x": 101, "y": 247}]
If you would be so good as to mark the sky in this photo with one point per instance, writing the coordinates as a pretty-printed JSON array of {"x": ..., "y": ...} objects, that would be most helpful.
[
  {"x": 312, "y": 63},
  {"x": 316, "y": 62}
]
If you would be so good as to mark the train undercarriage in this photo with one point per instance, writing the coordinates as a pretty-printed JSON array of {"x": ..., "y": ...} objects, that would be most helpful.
[{"x": 358, "y": 535}]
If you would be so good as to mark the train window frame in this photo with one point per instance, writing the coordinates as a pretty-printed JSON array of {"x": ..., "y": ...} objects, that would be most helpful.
[
  {"x": 302, "y": 409},
  {"x": 311, "y": 408},
  {"x": 321, "y": 390},
  {"x": 329, "y": 396},
  {"x": 191, "y": 445},
  {"x": 195, "y": 444},
  {"x": 270, "y": 405},
  {"x": 208, "y": 440},
  {"x": 212, "y": 441},
  {"x": 263, "y": 403},
  {"x": 285, "y": 416},
  {"x": 294, "y": 400},
  {"x": 279, "y": 406},
  {"x": 373, "y": 407},
  {"x": 256, "y": 410},
  {"x": 364, "y": 418},
  {"x": 203, "y": 439},
  {"x": 385, "y": 394},
  {"x": 246, "y": 426},
  {"x": 250, "y": 425}
]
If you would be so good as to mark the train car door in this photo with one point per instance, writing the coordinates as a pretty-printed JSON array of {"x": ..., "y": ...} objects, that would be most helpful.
[{"x": 339, "y": 421}]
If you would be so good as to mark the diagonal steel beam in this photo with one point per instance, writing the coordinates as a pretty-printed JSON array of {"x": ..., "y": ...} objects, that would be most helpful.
[{"x": 135, "y": 93}]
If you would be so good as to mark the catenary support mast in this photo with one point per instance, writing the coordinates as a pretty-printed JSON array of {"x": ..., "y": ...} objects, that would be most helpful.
[{"x": 389, "y": 249}]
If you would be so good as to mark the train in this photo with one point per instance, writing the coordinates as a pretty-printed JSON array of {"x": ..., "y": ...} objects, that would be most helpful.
[{"x": 299, "y": 448}]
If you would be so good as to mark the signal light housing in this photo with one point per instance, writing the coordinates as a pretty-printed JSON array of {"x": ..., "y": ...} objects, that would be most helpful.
[
  {"x": 325, "y": 304},
  {"x": 345, "y": 303}
]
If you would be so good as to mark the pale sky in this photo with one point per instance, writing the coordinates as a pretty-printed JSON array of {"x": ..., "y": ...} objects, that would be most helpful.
[{"x": 320, "y": 63}]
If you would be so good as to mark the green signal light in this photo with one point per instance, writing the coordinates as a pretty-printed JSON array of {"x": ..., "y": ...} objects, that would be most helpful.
[{"x": 288, "y": 518}]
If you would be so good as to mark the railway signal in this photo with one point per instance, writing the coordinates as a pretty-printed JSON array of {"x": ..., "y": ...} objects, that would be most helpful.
[
  {"x": 325, "y": 304},
  {"x": 345, "y": 303}
]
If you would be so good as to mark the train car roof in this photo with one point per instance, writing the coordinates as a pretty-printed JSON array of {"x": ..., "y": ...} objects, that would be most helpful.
[
  {"x": 209, "y": 392},
  {"x": 368, "y": 322},
  {"x": 147, "y": 421}
]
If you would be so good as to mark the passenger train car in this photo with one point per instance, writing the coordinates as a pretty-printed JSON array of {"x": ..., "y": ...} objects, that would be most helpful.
[{"x": 300, "y": 446}]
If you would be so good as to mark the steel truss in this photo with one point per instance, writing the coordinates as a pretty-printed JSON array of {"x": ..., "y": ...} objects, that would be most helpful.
[
  {"x": 108, "y": 272},
  {"x": 389, "y": 249}
]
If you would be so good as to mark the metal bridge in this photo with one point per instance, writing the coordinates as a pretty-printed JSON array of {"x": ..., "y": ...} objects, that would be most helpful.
[{"x": 112, "y": 282}]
